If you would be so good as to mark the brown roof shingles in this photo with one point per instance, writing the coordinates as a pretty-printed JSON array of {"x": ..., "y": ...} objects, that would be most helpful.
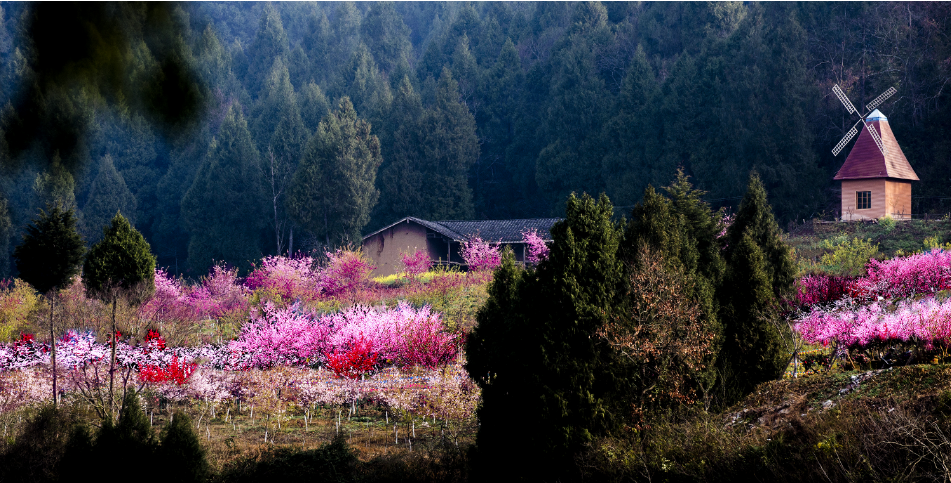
[{"x": 867, "y": 161}]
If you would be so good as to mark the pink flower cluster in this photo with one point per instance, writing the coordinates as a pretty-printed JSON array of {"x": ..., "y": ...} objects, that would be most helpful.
[
  {"x": 480, "y": 255},
  {"x": 416, "y": 264},
  {"x": 536, "y": 249},
  {"x": 822, "y": 289},
  {"x": 923, "y": 273},
  {"x": 218, "y": 294},
  {"x": 291, "y": 278},
  {"x": 401, "y": 336},
  {"x": 345, "y": 270},
  {"x": 926, "y": 321}
]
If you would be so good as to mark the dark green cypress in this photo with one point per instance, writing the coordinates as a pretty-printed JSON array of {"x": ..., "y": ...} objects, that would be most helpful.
[
  {"x": 536, "y": 347},
  {"x": 182, "y": 454}
]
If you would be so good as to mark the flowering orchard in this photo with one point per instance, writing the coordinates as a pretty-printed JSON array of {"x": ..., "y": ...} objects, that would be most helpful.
[
  {"x": 902, "y": 301},
  {"x": 342, "y": 337}
]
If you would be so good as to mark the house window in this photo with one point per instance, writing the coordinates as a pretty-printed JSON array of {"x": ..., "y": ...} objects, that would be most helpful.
[{"x": 863, "y": 200}]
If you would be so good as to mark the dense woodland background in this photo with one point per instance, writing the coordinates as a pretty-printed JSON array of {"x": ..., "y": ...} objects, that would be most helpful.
[{"x": 479, "y": 111}]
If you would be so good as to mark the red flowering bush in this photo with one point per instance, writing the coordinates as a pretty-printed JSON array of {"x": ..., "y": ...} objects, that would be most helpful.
[
  {"x": 176, "y": 372},
  {"x": 354, "y": 361}
]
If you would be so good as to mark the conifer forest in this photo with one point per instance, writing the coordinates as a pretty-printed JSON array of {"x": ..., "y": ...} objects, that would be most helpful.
[{"x": 185, "y": 188}]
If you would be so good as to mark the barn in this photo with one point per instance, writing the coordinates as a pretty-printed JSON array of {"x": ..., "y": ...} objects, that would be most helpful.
[
  {"x": 442, "y": 239},
  {"x": 875, "y": 184}
]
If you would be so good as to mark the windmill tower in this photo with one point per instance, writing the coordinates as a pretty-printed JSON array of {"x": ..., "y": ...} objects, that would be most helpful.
[{"x": 876, "y": 177}]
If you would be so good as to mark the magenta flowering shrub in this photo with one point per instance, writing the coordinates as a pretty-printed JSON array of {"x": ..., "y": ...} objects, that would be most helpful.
[
  {"x": 480, "y": 255},
  {"x": 822, "y": 289},
  {"x": 278, "y": 337},
  {"x": 923, "y": 273},
  {"x": 402, "y": 336},
  {"x": 291, "y": 278},
  {"x": 926, "y": 322},
  {"x": 416, "y": 264},
  {"x": 345, "y": 270},
  {"x": 536, "y": 249},
  {"x": 894, "y": 303},
  {"x": 219, "y": 293}
]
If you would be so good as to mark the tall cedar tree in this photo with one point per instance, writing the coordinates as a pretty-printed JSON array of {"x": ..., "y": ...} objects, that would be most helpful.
[
  {"x": 120, "y": 264},
  {"x": 224, "y": 208},
  {"x": 333, "y": 189},
  {"x": 48, "y": 258},
  {"x": 107, "y": 195},
  {"x": 535, "y": 347},
  {"x": 761, "y": 271}
]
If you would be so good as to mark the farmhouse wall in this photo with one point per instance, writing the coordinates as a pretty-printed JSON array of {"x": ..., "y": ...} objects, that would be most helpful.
[
  {"x": 384, "y": 248},
  {"x": 898, "y": 198},
  {"x": 849, "y": 210}
]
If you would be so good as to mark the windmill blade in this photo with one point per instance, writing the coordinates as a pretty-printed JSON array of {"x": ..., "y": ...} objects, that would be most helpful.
[
  {"x": 876, "y": 137},
  {"x": 881, "y": 98},
  {"x": 843, "y": 99},
  {"x": 845, "y": 141}
]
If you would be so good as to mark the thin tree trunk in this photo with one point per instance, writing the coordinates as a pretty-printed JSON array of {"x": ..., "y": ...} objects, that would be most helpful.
[
  {"x": 290, "y": 248},
  {"x": 112, "y": 363},
  {"x": 53, "y": 351}
]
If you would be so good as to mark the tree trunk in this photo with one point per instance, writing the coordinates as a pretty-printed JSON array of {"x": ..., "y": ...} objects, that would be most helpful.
[
  {"x": 53, "y": 351},
  {"x": 290, "y": 248},
  {"x": 112, "y": 363}
]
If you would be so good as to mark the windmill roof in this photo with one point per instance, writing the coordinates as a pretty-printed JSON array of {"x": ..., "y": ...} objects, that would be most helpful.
[
  {"x": 495, "y": 231},
  {"x": 867, "y": 161}
]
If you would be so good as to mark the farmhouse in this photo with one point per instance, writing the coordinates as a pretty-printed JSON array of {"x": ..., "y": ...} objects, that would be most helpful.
[
  {"x": 442, "y": 239},
  {"x": 875, "y": 184}
]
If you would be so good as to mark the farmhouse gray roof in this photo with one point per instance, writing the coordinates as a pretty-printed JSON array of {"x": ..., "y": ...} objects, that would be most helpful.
[{"x": 495, "y": 231}]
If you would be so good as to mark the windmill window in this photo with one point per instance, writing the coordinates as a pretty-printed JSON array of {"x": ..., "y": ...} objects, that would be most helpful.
[{"x": 863, "y": 200}]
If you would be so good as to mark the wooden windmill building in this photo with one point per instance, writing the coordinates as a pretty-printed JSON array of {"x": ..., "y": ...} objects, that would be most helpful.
[{"x": 876, "y": 182}]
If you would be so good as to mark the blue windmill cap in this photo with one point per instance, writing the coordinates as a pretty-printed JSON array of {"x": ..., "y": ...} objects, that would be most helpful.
[{"x": 876, "y": 115}]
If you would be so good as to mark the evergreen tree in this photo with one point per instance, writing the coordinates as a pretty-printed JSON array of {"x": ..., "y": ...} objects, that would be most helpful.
[
  {"x": 535, "y": 346},
  {"x": 755, "y": 219},
  {"x": 270, "y": 42},
  {"x": 313, "y": 106},
  {"x": 48, "y": 259},
  {"x": 120, "y": 264},
  {"x": 128, "y": 441},
  {"x": 181, "y": 452},
  {"x": 760, "y": 272},
  {"x": 108, "y": 195},
  {"x": 451, "y": 147},
  {"x": 385, "y": 34},
  {"x": 333, "y": 189},
  {"x": 752, "y": 350},
  {"x": 224, "y": 207},
  {"x": 6, "y": 233}
]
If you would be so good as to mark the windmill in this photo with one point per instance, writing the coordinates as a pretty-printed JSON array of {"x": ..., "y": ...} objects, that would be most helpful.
[
  {"x": 876, "y": 177},
  {"x": 862, "y": 118}
]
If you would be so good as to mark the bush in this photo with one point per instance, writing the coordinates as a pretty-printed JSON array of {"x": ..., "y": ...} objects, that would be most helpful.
[
  {"x": 848, "y": 257},
  {"x": 332, "y": 462},
  {"x": 183, "y": 458}
]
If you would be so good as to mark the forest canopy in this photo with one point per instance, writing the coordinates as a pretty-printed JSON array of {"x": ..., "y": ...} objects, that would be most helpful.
[{"x": 487, "y": 110}]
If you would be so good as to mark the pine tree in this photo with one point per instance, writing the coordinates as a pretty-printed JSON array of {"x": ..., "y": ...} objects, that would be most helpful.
[
  {"x": 48, "y": 258},
  {"x": 333, "y": 189},
  {"x": 752, "y": 350},
  {"x": 107, "y": 195},
  {"x": 182, "y": 452},
  {"x": 121, "y": 264},
  {"x": 224, "y": 208},
  {"x": 270, "y": 42},
  {"x": 536, "y": 347},
  {"x": 760, "y": 272},
  {"x": 754, "y": 218}
]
